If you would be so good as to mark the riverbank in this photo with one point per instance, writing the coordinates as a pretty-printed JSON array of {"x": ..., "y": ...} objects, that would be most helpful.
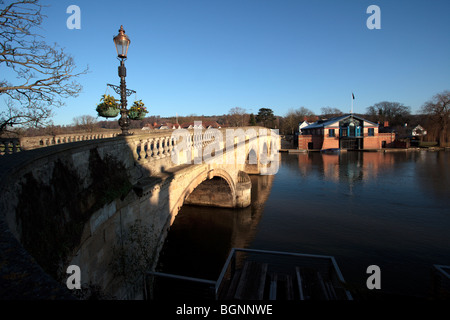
[{"x": 430, "y": 149}]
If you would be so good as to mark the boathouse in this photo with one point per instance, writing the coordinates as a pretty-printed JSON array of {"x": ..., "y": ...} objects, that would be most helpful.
[{"x": 346, "y": 132}]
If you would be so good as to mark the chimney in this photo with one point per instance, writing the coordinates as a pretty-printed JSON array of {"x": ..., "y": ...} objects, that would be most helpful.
[{"x": 386, "y": 124}]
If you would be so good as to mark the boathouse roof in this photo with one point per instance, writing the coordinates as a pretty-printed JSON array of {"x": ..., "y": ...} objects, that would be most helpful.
[{"x": 328, "y": 122}]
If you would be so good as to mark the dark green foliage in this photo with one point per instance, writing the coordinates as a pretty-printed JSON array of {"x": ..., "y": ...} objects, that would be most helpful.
[{"x": 266, "y": 116}]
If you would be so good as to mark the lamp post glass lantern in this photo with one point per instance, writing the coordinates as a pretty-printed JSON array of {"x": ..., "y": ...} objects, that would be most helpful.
[{"x": 122, "y": 42}]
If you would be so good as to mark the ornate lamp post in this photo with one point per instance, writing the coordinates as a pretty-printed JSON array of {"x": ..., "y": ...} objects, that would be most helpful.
[{"x": 122, "y": 42}]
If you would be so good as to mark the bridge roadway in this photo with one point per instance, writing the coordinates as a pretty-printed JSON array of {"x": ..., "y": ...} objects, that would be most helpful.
[{"x": 70, "y": 203}]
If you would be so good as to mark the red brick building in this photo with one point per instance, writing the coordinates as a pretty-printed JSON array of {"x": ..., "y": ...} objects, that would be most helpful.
[{"x": 347, "y": 132}]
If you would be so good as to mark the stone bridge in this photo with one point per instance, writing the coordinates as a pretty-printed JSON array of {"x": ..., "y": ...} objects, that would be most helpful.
[{"x": 70, "y": 204}]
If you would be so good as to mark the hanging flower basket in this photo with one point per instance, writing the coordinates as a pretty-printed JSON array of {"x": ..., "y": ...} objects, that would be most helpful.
[
  {"x": 109, "y": 112},
  {"x": 137, "y": 111},
  {"x": 108, "y": 107}
]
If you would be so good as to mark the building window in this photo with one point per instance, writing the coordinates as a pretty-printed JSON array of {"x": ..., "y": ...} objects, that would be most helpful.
[
  {"x": 343, "y": 132},
  {"x": 331, "y": 133},
  {"x": 371, "y": 132}
]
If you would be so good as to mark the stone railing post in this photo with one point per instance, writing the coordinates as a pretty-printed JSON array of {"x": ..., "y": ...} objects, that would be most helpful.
[
  {"x": 153, "y": 148},
  {"x": 138, "y": 144},
  {"x": 160, "y": 148},
  {"x": 157, "y": 148}
]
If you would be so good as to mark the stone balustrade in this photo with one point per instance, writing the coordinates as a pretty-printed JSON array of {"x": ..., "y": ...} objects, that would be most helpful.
[
  {"x": 153, "y": 144},
  {"x": 158, "y": 145},
  {"x": 9, "y": 146},
  {"x": 14, "y": 145},
  {"x": 29, "y": 143}
]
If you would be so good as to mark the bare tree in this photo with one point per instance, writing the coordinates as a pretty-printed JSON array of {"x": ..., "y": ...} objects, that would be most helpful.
[
  {"x": 43, "y": 73},
  {"x": 395, "y": 113},
  {"x": 237, "y": 117},
  {"x": 438, "y": 108},
  {"x": 329, "y": 112},
  {"x": 85, "y": 122},
  {"x": 294, "y": 117}
]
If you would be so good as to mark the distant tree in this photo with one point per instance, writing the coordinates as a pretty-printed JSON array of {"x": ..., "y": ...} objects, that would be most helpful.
[
  {"x": 266, "y": 116},
  {"x": 252, "y": 120},
  {"x": 85, "y": 123},
  {"x": 328, "y": 112},
  {"x": 293, "y": 119},
  {"x": 187, "y": 119},
  {"x": 40, "y": 75},
  {"x": 395, "y": 113},
  {"x": 52, "y": 130},
  {"x": 236, "y": 117},
  {"x": 438, "y": 109}
]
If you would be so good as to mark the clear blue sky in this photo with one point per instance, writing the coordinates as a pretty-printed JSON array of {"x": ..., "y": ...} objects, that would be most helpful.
[{"x": 206, "y": 57}]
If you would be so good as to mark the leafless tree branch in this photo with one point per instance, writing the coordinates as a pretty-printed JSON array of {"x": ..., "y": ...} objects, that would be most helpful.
[{"x": 44, "y": 74}]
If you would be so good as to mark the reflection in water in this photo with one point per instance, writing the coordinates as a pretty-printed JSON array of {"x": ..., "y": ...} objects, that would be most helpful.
[
  {"x": 364, "y": 208},
  {"x": 201, "y": 238}
]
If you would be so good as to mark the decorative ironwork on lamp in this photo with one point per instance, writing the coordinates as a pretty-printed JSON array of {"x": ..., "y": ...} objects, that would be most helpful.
[{"x": 122, "y": 43}]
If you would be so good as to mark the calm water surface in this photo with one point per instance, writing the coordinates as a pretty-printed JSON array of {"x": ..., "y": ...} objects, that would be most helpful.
[{"x": 385, "y": 209}]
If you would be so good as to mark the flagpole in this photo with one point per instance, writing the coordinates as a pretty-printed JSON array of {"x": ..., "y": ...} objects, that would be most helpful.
[
  {"x": 353, "y": 98},
  {"x": 352, "y": 105}
]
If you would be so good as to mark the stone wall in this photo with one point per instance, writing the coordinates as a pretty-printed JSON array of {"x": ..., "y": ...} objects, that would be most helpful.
[{"x": 49, "y": 194}]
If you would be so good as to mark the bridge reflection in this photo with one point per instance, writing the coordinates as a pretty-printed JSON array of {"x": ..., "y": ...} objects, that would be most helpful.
[{"x": 201, "y": 238}]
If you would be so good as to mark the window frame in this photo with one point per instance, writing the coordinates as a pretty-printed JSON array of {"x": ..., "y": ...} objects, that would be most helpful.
[{"x": 331, "y": 133}]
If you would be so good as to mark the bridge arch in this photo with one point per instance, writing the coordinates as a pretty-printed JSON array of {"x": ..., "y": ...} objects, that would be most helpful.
[{"x": 198, "y": 180}]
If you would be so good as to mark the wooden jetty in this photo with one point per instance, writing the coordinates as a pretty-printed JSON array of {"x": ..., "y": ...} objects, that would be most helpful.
[{"x": 268, "y": 275}]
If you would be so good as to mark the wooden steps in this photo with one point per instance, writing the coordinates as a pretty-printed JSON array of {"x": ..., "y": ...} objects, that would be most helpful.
[
  {"x": 281, "y": 287},
  {"x": 252, "y": 281},
  {"x": 312, "y": 286},
  {"x": 255, "y": 282}
]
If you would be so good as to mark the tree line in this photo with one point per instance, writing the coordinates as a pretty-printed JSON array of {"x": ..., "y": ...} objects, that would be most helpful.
[{"x": 45, "y": 75}]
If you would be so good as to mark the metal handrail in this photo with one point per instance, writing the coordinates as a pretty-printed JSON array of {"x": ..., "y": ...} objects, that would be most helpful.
[
  {"x": 173, "y": 276},
  {"x": 442, "y": 268},
  {"x": 292, "y": 254},
  {"x": 232, "y": 255}
]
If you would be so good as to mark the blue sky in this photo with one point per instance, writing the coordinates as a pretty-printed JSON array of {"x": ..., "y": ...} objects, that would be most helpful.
[{"x": 206, "y": 57}]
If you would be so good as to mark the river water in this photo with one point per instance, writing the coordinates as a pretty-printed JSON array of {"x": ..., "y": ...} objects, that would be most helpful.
[{"x": 364, "y": 208}]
